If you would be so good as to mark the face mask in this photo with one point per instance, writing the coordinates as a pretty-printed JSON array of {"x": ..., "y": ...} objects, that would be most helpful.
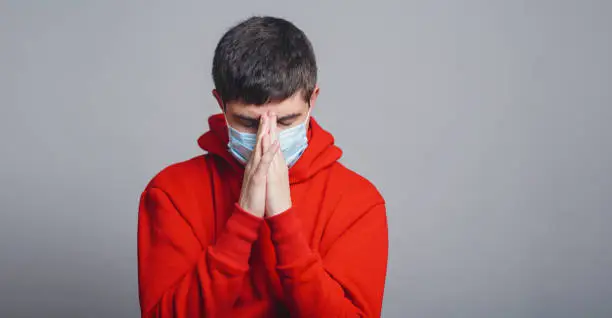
[{"x": 293, "y": 143}]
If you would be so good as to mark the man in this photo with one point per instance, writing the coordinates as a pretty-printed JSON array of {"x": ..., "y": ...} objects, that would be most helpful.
[{"x": 268, "y": 223}]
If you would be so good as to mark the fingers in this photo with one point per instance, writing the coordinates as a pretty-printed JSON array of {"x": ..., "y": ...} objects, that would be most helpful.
[
  {"x": 273, "y": 127},
  {"x": 267, "y": 139},
  {"x": 262, "y": 131},
  {"x": 274, "y": 135},
  {"x": 262, "y": 169},
  {"x": 266, "y": 142},
  {"x": 263, "y": 125}
]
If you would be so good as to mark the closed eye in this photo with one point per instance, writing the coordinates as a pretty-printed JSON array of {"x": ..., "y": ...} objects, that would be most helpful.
[
  {"x": 250, "y": 124},
  {"x": 288, "y": 120},
  {"x": 247, "y": 122},
  {"x": 285, "y": 123}
]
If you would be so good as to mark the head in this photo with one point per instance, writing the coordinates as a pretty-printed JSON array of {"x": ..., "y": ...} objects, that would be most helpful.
[{"x": 265, "y": 64}]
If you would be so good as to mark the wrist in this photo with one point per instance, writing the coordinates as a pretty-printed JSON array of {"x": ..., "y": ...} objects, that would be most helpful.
[
  {"x": 244, "y": 206},
  {"x": 278, "y": 210}
]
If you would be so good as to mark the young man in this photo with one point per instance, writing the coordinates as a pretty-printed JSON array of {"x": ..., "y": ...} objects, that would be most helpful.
[{"x": 268, "y": 223}]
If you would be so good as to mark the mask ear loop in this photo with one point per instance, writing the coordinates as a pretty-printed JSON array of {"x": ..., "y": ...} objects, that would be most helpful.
[
  {"x": 229, "y": 138},
  {"x": 225, "y": 115},
  {"x": 308, "y": 116}
]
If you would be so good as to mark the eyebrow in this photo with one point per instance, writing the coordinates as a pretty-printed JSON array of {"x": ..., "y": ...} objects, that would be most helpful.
[{"x": 289, "y": 117}]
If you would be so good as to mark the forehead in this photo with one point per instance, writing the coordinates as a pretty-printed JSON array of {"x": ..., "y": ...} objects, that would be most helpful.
[{"x": 291, "y": 105}]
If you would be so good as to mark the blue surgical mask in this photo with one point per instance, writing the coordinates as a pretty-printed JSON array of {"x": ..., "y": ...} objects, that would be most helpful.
[{"x": 293, "y": 143}]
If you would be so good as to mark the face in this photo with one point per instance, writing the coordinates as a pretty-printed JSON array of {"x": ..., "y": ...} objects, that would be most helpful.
[{"x": 289, "y": 112}]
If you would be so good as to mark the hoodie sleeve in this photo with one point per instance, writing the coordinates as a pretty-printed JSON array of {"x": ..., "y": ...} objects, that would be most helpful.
[
  {"x": 177, "y": 275},
  {"x": 348, "y": 280}
]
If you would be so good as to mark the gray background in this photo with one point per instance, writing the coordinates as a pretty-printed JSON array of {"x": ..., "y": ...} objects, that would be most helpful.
[{"x": 485, "y": 124}]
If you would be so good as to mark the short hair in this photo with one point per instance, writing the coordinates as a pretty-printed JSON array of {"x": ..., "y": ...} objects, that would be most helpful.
[{"x": 264, "y": 59}]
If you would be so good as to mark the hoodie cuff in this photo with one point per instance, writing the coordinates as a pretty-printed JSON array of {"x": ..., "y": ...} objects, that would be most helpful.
[
  {"x": 233, "y": 248},
  {"x": 287, "y": 236}
]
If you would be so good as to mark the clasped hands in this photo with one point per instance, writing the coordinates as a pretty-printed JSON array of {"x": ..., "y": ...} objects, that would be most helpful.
[{"x": 265, "y": 185}]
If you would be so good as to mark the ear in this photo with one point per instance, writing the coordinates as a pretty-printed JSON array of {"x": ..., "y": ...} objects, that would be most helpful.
[
  {"x": 314, "y": 96},
  {"x": 219, "y": 100}
]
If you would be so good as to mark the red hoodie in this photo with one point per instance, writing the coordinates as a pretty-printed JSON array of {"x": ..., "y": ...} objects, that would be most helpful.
[{"x": 200, "y": 255}]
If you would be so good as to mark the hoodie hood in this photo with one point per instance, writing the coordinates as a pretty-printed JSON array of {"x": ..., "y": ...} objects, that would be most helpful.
[{"x": 320, "y": 153}]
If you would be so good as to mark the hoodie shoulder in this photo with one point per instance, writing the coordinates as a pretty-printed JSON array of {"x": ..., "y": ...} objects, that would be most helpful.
[
  {"x": 180, "y": 176},
  {"x": 354, "y": 197},
  {"x": 355, "y": 186},
  {"x": 186, "y": 185}
]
